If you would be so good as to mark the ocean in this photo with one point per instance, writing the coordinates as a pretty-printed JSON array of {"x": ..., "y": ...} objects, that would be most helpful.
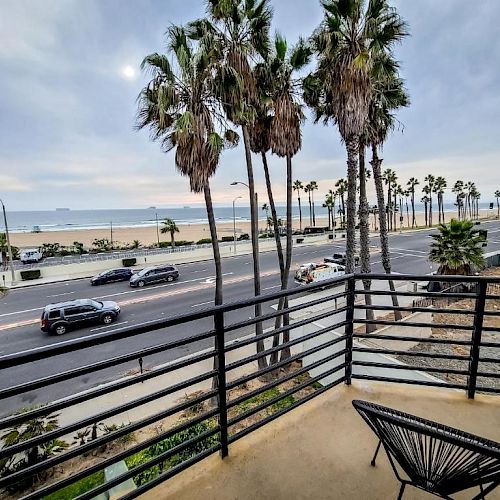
[{"x": 64, "y": 220}]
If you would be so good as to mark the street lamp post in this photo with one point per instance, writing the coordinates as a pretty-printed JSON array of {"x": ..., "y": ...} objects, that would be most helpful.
[
  {"x": 234, "y": 224},
  {"x": 9, "y": 248}
]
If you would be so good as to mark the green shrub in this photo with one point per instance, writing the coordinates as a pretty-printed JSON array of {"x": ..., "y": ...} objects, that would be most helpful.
[
  {"x": 169, "y": 443},
  {"x": 264, "y": 236},
  {"x": 32, "y": 274},
  {"x": 129, "y": 262},
  {"x": 164, "y": 244},
  {"x": 266, "y": 396},
  {"x": 204, "y": 241},
  {"x": 183, "y": 243},
  {"x": 243, "y": 237},
  {"x": 227, "y": 238},
  {"x": 79, "y": 488}
]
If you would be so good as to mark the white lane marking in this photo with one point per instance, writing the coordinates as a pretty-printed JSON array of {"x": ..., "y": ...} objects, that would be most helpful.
[
  {"x": 203, "y": 303},
  {"x": 407, "y": 250},
  {"x": 20, "y": 312},
  {"x": 107, "y": 326},
  {"x": 271, "y": 287},
  {"x": 59, "y": 294},
  {"x": 200, "y": 271},
  {"x": 247, "y": 263}
]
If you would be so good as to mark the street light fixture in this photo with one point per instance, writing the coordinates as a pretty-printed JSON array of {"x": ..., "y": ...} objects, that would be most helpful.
[
  {"x": 9, "y": 248},
  {"x": 234, "y": 224}
]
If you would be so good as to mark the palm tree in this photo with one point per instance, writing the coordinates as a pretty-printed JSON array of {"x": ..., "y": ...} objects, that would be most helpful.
[
  {"x": 297, "y": 186},
  {"x": 313, "y": 186},
  {"x": 411, "y": 187},
  {"x": 329, "y": 205},
  {"x": 497, "y": 196},
  {"x": 340, "y": 90},
  {"x": 265, "y": 209},
  {"x": 341, "y": 186},
  {"x": 469, "y": 188},
  {"x": 169, "y": 226},
  {"x": 458, "y": 189},
  {"x": 237, "y": 31},
  {"x": 178, "y": 107},
  {"x": 457, "y": 248},
  {"x": 439, "y": 187},
  {"x": 3, "y": 249},
  {"x": 425, "y": 200},
  {"x": 308, "y": 190},
  {"x": 430, "y": 179},
  {"x": 389, "y": 177}
]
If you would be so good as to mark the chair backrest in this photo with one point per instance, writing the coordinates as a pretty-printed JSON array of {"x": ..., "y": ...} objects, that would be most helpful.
[{"x": 436, "y": 457}]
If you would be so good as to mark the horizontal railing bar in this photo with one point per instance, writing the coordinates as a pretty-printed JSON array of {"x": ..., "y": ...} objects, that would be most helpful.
[
  {"x": 428, "y": 340},
  {"x": 395, "y": 352},
  {"x": 488, "y": 296},
  {"x": 427, "y": 277},
  {"x": 286, "y": 328},
  {"x": 268, "y": 369},
  {"x": 102, "y": 390},
  {"x": 467, "y": 312},
  {"x": 489, "y": 374},
  {"x": 409, "y": 367},
  {"x": 47, "y": 490},
  {"x": 100, "y": 365},
  {"x": 147, "y": 465},
  {"x": 409, "y": 381},
  {"x": 10, "y": 450},
  {"x": 281, "y": 380},
  {"x": 495, "y": 390},
  {"x": 489, "y": 312},
  {"x": 283, "y": 395},
  {"x": 417, "y": 324},
  {"x": 417, "y": 294},
  {"x": 84, "y": 448},
  {"x": 281, "y": 412},
  {"x": 490, "y": 344},
  {"x": 495, "y": 329},
  {"x": 281, "y": 312},
  {"x": 488, "y": 360},
  {"x": 170, "y": 473},
  {"x": 290, "y": 343}
]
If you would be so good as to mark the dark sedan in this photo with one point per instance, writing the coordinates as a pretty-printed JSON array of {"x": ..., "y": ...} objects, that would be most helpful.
[{"x": 112, "y": 275}]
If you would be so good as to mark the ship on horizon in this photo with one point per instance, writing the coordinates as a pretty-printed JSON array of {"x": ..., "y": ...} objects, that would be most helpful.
[{"x": 63, "y": 209}]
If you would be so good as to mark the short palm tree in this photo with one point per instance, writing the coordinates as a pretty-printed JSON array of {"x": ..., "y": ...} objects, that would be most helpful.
[
  {"x": 329, "y": 204},
  {"x": 389, "y": 177},
  {"x": 308, "y": 191},
  {"x": 347, "y": 43},
  {"x": 314, "y": 187},
  {"x": 469, "y": 189},
  {"x": 457, "y": 248},
  {"x": 298, "y": 186},
  {"x": 169, "y": 227},
  {"x": 411, "y": 188},
  {"x": 425, "y": 200},
  {"x": 497, "y": 196},
  {"x": 458, "y": 189},
  {"x": 265, "y": 209},
  {"x": 439, "y": 187},
  {"x": 431, "y": 183},
  {"x": 341, "y": 186}
]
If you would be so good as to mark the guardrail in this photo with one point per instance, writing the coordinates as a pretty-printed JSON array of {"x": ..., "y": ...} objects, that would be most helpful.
[{"x": 236, "y": 386}]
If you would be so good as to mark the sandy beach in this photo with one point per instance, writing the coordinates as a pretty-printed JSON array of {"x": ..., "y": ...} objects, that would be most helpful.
[{"x": 148, "y": 235}]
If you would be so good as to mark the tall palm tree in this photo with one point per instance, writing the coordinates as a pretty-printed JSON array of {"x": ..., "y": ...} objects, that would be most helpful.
[
  {"x": 314, "y": 187},
  {"x": 389, "y": 177},
  {"x": 298, "y": 186},
  {"x": 431, "y": 180},
  {"x": 169, "y": 226},
  {"x": 341, "y": 186},
  {"x": 328, "y": 204},
  {"x": 238, "y": 31},
  {"x": 457, "y": 248},
  {"x": 178, "y": 108},
  {"x": 347, "y": 43},
  {"x": 497, "y": 196},
  {"x": 439, "y": 187},
  {"x": 469, "y": 188},
  {"x": 411, "y": 187},
  {"x": 458, "y": 189},
  {"x": 308, "y": 190},
  {"x": 265, "y": 209},
  {"x": 425, "y": 201},
  {"x": 406, "y": 194}
]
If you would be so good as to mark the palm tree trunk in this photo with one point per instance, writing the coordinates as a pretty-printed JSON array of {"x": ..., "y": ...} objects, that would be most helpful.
[
  {"x": 313, "y": 207},
  {"x": 300, "y": 212},
  {"x": 172, "y": 239},
  {"x": 384, "y": 240},
  {"x": 352, "y": 146},
  {"x": 395, "y": 215},
  {"x": 262, "y": 363},
  {"x": 343, "y": 211},
  {"x": 285, "y": 353},
  {"x": 364, "y": 237},
  {"x": 414, "y": 220},
  {"x": 425, "y": 208},
  {"x": 310, "y": 210},
  {"x": 407, "y": 213}
]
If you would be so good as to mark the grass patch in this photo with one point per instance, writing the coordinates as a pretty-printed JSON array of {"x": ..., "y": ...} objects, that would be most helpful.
[
  {"x": 263, "y": 398},
  {"x": 78, "y": 488}
]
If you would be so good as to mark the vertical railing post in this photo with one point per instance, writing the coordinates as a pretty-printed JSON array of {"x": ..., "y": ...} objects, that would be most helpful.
[
  {"x": 476, "y": 338},
  {"x": 221, "y": 380},
  {"x": 349, "y": 328}
]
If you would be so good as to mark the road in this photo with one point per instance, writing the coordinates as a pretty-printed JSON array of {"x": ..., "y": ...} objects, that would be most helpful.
[{"x": 20, "y": 310}]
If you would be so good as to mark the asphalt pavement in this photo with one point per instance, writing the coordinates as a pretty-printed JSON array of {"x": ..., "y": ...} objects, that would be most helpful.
[{"x": 20, "y": 311}]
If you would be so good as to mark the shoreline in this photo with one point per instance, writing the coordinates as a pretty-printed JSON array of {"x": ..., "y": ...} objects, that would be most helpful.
[{"x": 147, "y": 235}]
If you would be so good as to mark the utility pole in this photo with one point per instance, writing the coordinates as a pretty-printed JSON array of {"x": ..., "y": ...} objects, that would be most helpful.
[
  {"x": 9, "y": 248},
  {"x": 234, "y": 224}
]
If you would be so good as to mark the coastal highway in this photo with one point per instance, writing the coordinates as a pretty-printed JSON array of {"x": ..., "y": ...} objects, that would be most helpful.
[{"x": 20, "y": 310}]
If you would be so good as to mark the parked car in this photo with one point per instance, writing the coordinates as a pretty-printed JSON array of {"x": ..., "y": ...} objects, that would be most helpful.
[
  {"x": 340, "y": 258},
  {"x": 314, "y": 273},
  {"x": 31, "y": 255},
  {"x": 157, "y": 274},
  {"x": 112, "y": 275},
  {"x": 63, "y": 316}
]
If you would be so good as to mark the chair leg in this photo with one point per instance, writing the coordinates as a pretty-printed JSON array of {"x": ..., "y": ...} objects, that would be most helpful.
[
  {"x": 376, "y": 453},
  {"x": 401, "y": 491}
]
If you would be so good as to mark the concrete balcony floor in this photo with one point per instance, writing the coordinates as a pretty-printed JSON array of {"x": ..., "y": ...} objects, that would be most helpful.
[{"x": 322, "y": 450}]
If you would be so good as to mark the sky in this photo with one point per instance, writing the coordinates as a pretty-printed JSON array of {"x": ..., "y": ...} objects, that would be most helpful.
[{"x": 70, "y": 78}]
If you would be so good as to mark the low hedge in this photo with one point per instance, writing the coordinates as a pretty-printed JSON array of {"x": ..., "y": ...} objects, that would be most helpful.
[
  {"x": 180, "y": 243},
  {"x": 129, "y": 262},
  {"x": 204, "y": 241},
  {"x": 227, "y": 238},
  {"x": 243, "y": 237},
  {"x": 32, "y": 274}
]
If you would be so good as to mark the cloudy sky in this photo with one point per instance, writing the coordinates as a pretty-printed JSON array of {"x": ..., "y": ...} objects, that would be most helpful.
[{"x": 70, "y": 78}]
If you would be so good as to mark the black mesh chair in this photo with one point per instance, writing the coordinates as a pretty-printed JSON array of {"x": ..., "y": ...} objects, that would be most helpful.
[{"x": 438, "y": 459}]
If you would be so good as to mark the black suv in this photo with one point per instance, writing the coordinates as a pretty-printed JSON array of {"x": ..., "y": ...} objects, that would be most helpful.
[
  {"x": 112, "y": 275},
  {"x": 340, "y": 258},
  {"x": 63, "y": 316},
  {"x": 156, "y": 274}
]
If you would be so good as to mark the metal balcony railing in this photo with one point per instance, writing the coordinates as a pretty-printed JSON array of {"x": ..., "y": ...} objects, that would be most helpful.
[{"x": 236, "y": 388}]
